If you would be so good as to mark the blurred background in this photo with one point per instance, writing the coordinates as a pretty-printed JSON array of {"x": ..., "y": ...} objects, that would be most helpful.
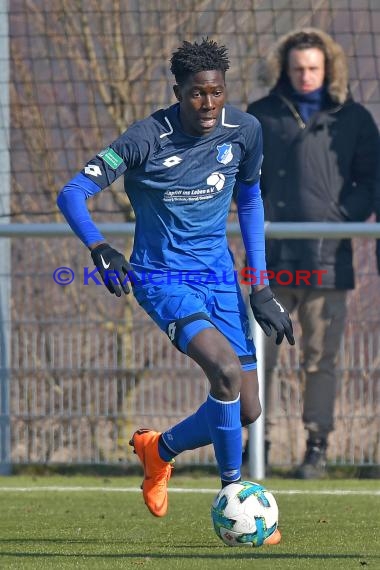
[{"x": 80, "y": 369}]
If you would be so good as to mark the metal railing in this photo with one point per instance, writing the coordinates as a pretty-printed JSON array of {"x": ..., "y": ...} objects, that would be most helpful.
[{"x": 75, "y": 407}]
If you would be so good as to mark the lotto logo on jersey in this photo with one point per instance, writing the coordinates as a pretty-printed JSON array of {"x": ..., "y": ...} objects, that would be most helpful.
[
  {"x": 172, "y": 161},
  {"x": 93, "y": 170}
]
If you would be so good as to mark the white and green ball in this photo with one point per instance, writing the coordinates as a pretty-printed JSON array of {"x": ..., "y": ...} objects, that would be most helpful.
[{"x": 244, "y": 513}]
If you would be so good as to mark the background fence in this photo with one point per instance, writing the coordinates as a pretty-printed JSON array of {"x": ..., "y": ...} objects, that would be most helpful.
[
  {"x": 85, "y": 369},
  {"x": 80, "y": 385}
]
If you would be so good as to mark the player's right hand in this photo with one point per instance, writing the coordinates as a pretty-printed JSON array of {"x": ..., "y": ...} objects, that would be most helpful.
[{"x": 113, "y": 268}]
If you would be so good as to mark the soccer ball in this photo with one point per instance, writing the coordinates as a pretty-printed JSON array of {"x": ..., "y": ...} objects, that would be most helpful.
[{"x": 244, "y": 513}]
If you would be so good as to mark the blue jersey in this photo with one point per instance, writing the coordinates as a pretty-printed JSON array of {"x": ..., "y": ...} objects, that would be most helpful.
[{"x": 180, "y": 186}]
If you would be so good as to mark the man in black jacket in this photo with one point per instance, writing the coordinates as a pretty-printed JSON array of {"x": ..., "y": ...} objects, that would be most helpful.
[{"x": 321, "y": 151}]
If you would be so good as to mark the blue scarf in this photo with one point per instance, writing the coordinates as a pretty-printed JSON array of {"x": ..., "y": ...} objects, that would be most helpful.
[{"x": 309, "y": 103}]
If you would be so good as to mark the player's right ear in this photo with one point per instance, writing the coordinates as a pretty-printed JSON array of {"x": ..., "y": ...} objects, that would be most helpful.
[{"x": 177, "y": 92}]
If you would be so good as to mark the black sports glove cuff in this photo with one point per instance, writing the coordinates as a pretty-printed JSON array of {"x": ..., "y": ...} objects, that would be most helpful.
[
  {"x": 261, "y": 296},
  {"x": 98, "y": 249},
  {"x": 270, "y": 314}
]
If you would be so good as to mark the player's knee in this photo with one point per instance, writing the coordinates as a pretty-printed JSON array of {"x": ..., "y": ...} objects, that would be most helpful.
[{"x": 226, "y": 380}]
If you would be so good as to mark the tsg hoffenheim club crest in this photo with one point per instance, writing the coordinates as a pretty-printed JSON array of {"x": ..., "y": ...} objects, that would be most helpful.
[{"x": 224, "y": 153}]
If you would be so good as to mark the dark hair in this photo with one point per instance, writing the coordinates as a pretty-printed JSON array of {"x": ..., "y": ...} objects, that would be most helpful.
[
  {"x": 193, "y": 57},
  {"x": 301, "y": 40}
]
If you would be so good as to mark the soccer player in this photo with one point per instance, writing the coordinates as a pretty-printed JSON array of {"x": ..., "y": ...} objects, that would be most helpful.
[{"x": 180, "y": 167}]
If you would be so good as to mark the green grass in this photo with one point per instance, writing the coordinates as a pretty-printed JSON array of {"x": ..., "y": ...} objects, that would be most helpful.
[{"x": 89, "y": 528}]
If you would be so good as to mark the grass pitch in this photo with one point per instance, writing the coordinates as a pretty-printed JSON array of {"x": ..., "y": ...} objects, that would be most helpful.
[{"x": 83, "y": 522}]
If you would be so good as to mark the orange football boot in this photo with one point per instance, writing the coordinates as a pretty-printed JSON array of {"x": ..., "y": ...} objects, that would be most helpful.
[{"x": 157, "y": 472}]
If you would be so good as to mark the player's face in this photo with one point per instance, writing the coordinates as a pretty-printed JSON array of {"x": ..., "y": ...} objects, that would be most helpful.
[
  {"x": 201, "y": 101},
  {"x": 306, "y": 69}
]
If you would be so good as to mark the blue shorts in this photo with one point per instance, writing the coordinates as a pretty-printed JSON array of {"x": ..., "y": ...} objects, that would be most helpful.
[{"x": 183, "y": 310}]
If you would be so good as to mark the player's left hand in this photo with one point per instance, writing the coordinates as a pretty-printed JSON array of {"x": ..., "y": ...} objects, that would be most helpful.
[
  {"x": 270, "y": 314},
  {"x": 113, "y": 268}
]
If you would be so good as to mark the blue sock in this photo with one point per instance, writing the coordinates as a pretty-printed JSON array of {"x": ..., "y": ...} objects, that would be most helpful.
[
  {"x": 225, "y": 430},
  {"x": 191, "y": 433}
]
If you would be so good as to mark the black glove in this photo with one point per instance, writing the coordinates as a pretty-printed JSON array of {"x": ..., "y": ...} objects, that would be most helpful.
[
  {"x": 113, "y": 268},
  {"x": 270, "y": 314}
]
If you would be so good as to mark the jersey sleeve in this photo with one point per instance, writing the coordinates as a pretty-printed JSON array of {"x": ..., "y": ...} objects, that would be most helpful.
[
  {"x": 126, "y": 152},
  {"x": 251, "y": 219},
  {"x": 72, "y": 203},
  {"x": 250, "y": 166}
]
